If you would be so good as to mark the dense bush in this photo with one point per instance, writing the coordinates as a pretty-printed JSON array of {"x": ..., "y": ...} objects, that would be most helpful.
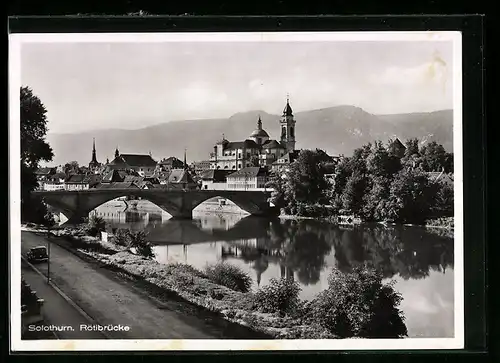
[
  {"x": 359, "y": 304},
  {"x": 178, "y": 267},
  {"x": 233, "y": 277},
  {"x": 122, "y": 237},
  {"x": 138, "y": 240},
  {"x": 280, "y": 296},
  {"x": 95, "y": 225}
]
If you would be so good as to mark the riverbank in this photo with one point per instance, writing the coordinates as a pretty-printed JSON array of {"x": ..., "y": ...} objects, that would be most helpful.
[
  {"x": 189, "y": 284},
  {"x": 442, "y": 226}
]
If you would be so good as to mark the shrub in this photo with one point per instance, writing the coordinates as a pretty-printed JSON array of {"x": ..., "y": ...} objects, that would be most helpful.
[
  {"x": 280, "y": 296},
  {"x": 230, "y": 276},
  {"x": 122, "y": 237},
  {"x": 95, "y": 225},
  {"x": 178, "y": 267},
  {"x": 359, "y": 304},
  {"x": 138, "y": 240}
]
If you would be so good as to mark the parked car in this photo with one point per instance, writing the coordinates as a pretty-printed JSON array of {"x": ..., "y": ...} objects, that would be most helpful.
[{"x": 38, "y": 254}]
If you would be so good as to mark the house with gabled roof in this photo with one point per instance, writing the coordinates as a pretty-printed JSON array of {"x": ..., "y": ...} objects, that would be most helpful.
[
  {"x": 181, "y": 178},
  {"x": 143, "y": 164}
]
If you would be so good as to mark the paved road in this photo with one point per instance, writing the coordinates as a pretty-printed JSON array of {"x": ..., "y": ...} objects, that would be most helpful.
[
  {"x": 56, "y": 310},
  {"x": 108, "y": 301}
]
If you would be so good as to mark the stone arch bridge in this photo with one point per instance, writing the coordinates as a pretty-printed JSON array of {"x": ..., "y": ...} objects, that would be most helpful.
[{"x": 76, "y": 205}]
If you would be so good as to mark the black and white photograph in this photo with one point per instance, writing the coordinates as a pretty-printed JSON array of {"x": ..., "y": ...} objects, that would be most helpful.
[{"x": 236, "y": 191}]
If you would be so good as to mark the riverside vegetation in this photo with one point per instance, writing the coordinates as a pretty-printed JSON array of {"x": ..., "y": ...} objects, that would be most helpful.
[
  {"x": 355, "y": 304},
  {"x": 378, "y": 183}
]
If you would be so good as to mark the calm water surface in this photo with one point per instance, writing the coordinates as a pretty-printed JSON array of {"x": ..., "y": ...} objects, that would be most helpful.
[{"x": 421, "y": 263}]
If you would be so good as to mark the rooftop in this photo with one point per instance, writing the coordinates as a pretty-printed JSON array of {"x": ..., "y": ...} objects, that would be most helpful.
[
  {"x": 134, "y": 160},
  {"x": 216, "y": 175},
  {"x": 272, "y": 144},
  {"x": 251, "y": 171},
  {"x": 247, "y": 144}
]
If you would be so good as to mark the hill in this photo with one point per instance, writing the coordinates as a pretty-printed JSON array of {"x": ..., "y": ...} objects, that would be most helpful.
[{"x": 338, "y": 130}]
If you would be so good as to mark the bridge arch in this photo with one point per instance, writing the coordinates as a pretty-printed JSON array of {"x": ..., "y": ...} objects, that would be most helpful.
[
  {"x": 76, "y": 205},
  {"x": 244, "y": 203}
]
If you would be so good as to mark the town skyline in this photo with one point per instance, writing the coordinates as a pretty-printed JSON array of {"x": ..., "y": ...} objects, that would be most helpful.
[{"x": 94, "y": 86}]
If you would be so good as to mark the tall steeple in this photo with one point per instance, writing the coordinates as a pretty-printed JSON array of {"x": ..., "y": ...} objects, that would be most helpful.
[
  {"x": 185, "y": 160},
  {"x": 94, "y": 157},
  {"x": 259, "y": 124},
  {"x": 117, "y": 153}
]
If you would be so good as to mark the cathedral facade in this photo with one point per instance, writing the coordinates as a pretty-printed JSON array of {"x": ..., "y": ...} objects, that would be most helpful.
[{"x": 258, "y": 149}]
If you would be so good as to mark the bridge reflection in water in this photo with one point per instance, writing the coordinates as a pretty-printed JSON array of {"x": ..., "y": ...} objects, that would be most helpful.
[{"x": 421, "y": 263}]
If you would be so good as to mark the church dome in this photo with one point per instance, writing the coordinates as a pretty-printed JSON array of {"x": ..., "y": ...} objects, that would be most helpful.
[{"x": 259, "y": 133}]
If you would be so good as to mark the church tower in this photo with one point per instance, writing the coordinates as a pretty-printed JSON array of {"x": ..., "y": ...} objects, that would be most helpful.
[
  {"x": 93, "y": 163},
  {"x": 287, "y": 124}
]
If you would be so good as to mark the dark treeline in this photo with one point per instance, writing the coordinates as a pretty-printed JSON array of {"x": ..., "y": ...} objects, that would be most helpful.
[{"x": 378, "y": 182}]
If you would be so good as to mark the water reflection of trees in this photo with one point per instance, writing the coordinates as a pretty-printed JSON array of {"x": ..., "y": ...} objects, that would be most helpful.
[
  {"x": 302, "y": 246},
  {"x": 407, "y": 252}
]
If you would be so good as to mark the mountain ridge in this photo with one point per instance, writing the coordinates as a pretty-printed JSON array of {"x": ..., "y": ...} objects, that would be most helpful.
[{"x": 337, "y": 130}]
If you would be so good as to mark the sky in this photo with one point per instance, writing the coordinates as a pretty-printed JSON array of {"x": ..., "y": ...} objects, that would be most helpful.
[{"x": 89, "y": 86}]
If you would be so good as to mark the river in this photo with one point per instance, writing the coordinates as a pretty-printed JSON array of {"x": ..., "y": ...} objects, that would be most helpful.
[{"x": 420, "y": 263}]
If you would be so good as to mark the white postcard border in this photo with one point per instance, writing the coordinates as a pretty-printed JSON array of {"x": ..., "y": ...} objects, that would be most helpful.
[{"x": 18, "y": 345}]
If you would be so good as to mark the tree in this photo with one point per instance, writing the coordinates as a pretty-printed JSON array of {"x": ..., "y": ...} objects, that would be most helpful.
[
  {"x": 276, "y": 182},
  {"x": 381, "y": 163},
  {"x": 34, "y": 149},
  {"x": 411, "y": 147},
  {"x": 305, "y": 180},
  {"x": 411, "y": 197},
  {"x": 359, "y": 304},
  {"x": 354, "y": 191},
  {"x": 434, "y": 157},
  {"x": 71, "y": 168}
]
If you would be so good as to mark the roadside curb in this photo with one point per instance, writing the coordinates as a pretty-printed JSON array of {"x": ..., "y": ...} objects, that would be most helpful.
[{"x": 67, "y": 298}]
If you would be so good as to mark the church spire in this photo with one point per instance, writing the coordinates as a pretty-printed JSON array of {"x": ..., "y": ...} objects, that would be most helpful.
[
  {"x": 117, "y": 153},
  {"x": 94, "y": 157},
  {"x": 288, "y": 110},
  {"x": 259, "y": 124},
  {"x": 185, "y": 160}
]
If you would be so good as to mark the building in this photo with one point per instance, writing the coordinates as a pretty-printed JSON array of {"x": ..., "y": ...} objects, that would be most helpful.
[
  {"x": 77, "y": 182},
  {"x": 258, "y": 149},
  {"x": 168, "y": 164},
  {"x": 200, "y": 167},
  {"x": 51, "y": 186},
  {"x": 115, "y": 176},
  {"x": 250, "y": 178},
  {"x": 94, "y": 165},
  {"x": 396, "y": 147},
  {"x": 54, "y": 182},
  {"x": 81, "y": 182},
  {"x": 142, "y": 164},
  {"x": 283, "y": 162},
  {"x": 182, "y": 179},
  {"x": 214, "y": 179},
  {"x": 43, "y": 174}
]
